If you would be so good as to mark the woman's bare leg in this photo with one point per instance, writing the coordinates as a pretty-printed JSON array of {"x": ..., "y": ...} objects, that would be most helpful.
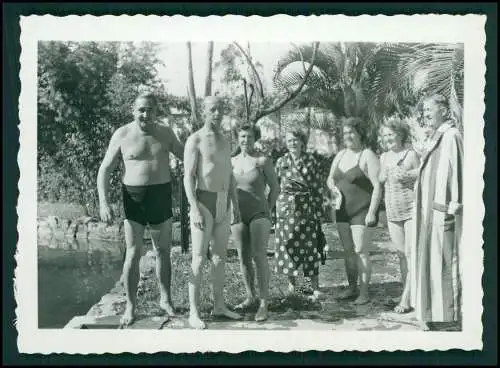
[
  {"x": 259, "y": 238},
  {"x": 362, "y": 237},
  {"x": 241, "y": 237},
  {"x": 351, "y": 267}
]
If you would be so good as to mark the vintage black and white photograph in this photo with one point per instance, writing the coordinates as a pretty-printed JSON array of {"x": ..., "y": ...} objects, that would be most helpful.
[{"x": 204, "y": 184}]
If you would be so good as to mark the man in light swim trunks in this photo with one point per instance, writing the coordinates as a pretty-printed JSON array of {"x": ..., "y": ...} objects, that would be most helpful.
[
  {"x": 145, "y": 145},
  {"x": 210, "y": 187}
]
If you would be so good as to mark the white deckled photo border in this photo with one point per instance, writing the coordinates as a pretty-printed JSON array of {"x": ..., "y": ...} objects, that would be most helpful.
[{"x": 466, "y": 29}]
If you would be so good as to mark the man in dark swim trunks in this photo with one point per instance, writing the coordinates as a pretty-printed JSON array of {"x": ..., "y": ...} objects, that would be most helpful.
[
  {"x": 145, "y": 145},
  {"x": 210, "y": 186}
]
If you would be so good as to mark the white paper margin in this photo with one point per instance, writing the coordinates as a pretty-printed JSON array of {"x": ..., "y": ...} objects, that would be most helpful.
[{"x": 468, "y": 29}]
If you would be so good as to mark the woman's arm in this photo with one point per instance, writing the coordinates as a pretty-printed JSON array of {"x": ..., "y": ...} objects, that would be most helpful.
[
  {"x": 272, "y": 181},
  {"x": 330, "y": 182},
  {"x": 383, "y": 169},
  {"x": 412, "y": 163},
  {"x": 372, "y": 165}
]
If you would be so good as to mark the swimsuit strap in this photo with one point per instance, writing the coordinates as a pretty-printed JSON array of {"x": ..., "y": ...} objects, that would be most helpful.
[
  {"x": 340, "y": 159},
  {"x": 359, "y": 158},
  {"x": 403, "y": 159}
]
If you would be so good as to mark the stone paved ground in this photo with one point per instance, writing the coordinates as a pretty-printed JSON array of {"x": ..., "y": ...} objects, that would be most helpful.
[{"x": 286, "y": 313}]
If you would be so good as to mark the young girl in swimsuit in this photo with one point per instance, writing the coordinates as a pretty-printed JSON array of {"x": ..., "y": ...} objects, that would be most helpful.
[
  {"x": 354, "y": 173},
  {"x": 252, "y": 173},
  {"x": 398, "y": 173}
]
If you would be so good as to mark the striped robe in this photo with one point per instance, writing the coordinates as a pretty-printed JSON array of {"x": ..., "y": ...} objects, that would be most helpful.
[{"x": 436, "y": 235}]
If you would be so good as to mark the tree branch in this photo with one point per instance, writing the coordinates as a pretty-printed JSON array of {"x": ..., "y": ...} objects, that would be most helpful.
[
  {"x": 254, "y": 70},
  {"x": 293, "y": 94},
  {"x": 252, "y": 90},
  {"x": 247, "y": 107},
  {"x": 301, "y": 57}
]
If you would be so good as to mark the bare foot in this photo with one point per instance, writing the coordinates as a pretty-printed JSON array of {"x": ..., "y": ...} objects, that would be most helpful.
[
  {"x": 362, "y": 299},
  {"x": 424, "y": 326},
  {"x": 348, "y": 293},
  {"x": 128, "y": 317},
  {"x": 196, "y": 323},
  {"x": 401, "y": 309},
  {"x": 167, "y": 307},
  {"x": 224, "y": 312},
  {"x": 317, "y": 295},
  {"x": 247, "y": 303},
  {"x": 261, "y": 314}
]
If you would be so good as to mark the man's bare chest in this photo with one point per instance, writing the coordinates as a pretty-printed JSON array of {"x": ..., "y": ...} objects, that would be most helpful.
[
  {"x": 136, "y": 147},
  {"x": 214, "y": 150}
]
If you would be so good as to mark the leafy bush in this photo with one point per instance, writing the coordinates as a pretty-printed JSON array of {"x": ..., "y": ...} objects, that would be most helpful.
[{"x": 85, "y": 92}]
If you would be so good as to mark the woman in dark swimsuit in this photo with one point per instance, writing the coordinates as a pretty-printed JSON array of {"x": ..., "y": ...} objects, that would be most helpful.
[
  {"x": 354, "y": 173},
  {"x": 253, "y": 172}
]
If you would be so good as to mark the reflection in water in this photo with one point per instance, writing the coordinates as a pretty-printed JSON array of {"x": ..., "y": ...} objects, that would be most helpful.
[{"x": 73, "y": 275}]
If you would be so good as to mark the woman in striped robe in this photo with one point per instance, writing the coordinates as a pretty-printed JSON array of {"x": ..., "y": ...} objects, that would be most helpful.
[{"x": 438, "y": 220}]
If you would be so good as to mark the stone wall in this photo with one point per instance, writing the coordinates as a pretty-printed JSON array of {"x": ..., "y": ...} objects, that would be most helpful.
[{"x": 86, "y": 228}]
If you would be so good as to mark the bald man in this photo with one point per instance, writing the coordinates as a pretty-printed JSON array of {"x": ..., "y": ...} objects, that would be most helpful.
[{"x": 210, "y": 189}]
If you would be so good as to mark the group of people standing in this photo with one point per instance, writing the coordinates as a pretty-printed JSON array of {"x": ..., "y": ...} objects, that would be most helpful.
[{"x": 236, "y": 195}]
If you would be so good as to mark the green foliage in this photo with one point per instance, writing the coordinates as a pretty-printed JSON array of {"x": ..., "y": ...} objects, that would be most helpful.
[
  {"x": 375, "y": 81},
  {"x": 85, "y": 92}
]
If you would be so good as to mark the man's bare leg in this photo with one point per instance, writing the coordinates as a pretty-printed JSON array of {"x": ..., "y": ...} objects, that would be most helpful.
[
  {"x": 219, "y": 249},
  {"x": 199, "y": 240},
  {"x": 134, "y": 233},
  {"x": 162, "y": 242}
]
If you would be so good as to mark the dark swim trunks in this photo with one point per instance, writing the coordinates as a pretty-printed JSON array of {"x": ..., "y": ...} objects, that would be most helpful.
[
  {"x": 148, "y": 204},
  {"x": 213, "y": 200}
]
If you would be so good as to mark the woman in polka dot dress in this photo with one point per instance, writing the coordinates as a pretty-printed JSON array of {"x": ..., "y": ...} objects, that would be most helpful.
[{"x": 298, "y": 213}]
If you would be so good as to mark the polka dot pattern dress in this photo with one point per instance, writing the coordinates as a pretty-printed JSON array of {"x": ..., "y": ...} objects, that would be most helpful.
[{"x": 298, "y": 215}]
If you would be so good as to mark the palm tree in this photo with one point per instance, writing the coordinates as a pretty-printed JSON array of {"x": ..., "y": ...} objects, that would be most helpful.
[
  {"x": 440, "y": 68},
  {"x": 373, "y": 80}
]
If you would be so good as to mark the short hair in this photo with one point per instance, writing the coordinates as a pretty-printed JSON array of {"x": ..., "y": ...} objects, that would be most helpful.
[
  {"x": 299, "y": 134},
  {"x": 439, "y": 100},
  {"x": 400, "y": 128},
  {"x": 359, "y": 126},
  {"x": 215, "y": 99},
  {"x": 247, "y": 127},
  {"x": 147, "y": 96}
]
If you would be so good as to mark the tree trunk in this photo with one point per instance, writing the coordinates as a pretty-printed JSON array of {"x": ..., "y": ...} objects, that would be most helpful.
[
  {"x": 192, "y": 92},
  {"x": 208, "y": 81}
]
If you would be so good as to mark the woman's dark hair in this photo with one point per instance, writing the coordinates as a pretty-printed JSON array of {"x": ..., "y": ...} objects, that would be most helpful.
[
  {"x": 247, "y": 127},
  {"x": 299, "y": 134},
  {"x": 359, "y": 126},
  {"x": 400, "y": 128}
]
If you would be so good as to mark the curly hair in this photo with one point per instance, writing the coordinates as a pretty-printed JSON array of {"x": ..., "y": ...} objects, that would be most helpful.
[
  {"x": 299, "y": 134},
  {"x": 401, "y": 128},
  {"x": 359, "y": 126},
  {"x": 247, "y": 127}
]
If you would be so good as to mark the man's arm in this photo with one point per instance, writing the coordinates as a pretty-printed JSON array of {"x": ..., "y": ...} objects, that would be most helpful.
[
  {"x": 176, "y": 147},
  {"x": 191, "y": 154},
  {"x": 455, "y": 183},
  {"x": 108, "y": 164},
  {"x": 272, "y": 181}
]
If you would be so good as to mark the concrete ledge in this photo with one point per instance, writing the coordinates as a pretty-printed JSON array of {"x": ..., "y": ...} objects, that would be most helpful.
[{"x": 113, "y": 323}]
